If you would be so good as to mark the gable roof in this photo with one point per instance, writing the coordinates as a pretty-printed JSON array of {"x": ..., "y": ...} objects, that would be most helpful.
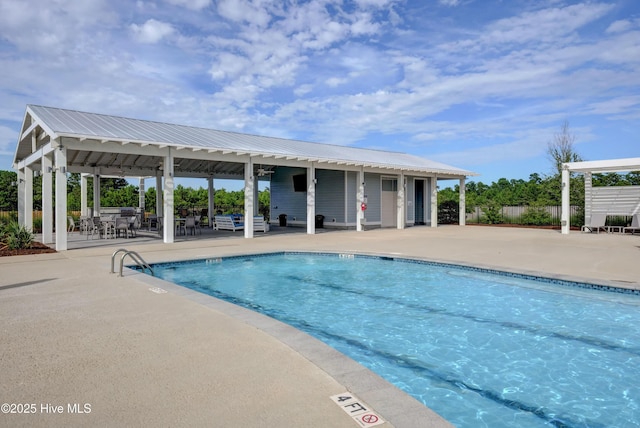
[{"x": 56, "y": 123}]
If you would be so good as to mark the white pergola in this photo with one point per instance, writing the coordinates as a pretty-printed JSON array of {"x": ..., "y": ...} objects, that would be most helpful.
[{"x": 588, "y": 168}]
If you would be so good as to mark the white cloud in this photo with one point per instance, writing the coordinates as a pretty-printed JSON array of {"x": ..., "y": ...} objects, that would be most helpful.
[
  {"x": 244, "y": 11},
  {"x": 191, "y": 4},
  {"x": 151, "y": 31},
  {"x": 449, "y": 2},
  {"x": 619, "y": 26}
]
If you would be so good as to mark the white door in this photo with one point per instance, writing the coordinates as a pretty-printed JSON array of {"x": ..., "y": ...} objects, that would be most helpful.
[{"x": 389, "y": 202}]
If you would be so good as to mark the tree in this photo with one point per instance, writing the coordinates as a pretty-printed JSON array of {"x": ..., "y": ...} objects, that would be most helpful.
[{"x": 561, "y": 149}]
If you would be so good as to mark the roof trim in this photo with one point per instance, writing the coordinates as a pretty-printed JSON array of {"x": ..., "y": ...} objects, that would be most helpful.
[{"x": 610, "y": 165}]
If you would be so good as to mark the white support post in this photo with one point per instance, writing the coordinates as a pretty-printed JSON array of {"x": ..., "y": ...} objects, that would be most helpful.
[
  {"x": 21, "y": 209},
  {"x": 169, "y": 229},
  {"x": 141, "y": 197},
  {"x": 360, "y": 219},
  {"x": 47, "y": 200},
  {"x": 84, "y": 203},
  {"x": 61, "y": 198},
  {"x": 564, "y": 218},
  {"x": 401, "y": 218},
  {"x": 249, "y": 185},
  {"x": 96, "y": 192},
  {"x": 311, "y": 200},
  {"x": 462, "y": 205},
  {"x": 28, "y": 197},
  {"x": 159, "y": 193},
  {"x": 434, "y": 201},
  {"x": 211, "y": 200}
]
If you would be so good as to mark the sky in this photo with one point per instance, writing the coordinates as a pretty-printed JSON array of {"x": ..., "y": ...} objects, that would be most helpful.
[{"x": 483, "y": 85}]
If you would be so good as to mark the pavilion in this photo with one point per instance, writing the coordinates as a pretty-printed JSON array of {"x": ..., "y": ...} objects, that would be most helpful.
[{"x": 400, "y": 189}]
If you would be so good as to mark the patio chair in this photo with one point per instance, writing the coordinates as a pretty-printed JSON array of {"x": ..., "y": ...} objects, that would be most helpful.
[
  {"x": 635, "y": 225},
  {"x": 134, "y": 225},
  {"x": 596, "y": 224},
  {"x": 94, "y": 226},
  {"x": 122, "y": 225},
  {"x": 72, "y": 225},
  {"x": 190, "y": 224}
]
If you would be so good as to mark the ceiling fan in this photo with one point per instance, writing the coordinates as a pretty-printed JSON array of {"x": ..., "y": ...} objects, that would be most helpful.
[{"x": 261, "y": 172}]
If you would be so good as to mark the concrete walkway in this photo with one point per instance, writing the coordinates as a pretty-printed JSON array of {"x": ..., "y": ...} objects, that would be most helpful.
[{"x": 75, "y": 335}]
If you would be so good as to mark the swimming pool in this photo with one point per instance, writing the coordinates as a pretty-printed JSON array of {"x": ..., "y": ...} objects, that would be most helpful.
[{"x": 479, "y": 348}]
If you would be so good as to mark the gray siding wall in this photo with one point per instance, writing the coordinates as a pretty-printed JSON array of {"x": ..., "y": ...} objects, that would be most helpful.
[
  {"x": 373, "y": 189},
  {"x": 283, "y": 199},
  {"x": 330, "y": 195},
  {"x": 352, "y": 193}
]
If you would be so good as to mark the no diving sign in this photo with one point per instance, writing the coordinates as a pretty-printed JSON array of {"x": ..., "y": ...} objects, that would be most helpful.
[{"x": 358, "y": 410}]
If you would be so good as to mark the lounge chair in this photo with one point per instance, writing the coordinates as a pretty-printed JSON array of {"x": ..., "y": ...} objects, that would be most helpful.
[
  {"x": 596, "y": 224},
  {"x": 260, "y": 224},
  {"x": 635, "y": 225},
  {"x": 227, "y": 222}
]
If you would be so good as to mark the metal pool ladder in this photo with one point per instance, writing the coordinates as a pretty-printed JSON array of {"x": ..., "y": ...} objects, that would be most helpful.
[{"x": 134, "y": 256}]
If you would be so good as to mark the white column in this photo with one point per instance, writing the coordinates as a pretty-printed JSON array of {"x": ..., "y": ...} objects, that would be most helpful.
[
  {"x": 211, "y": 200},
  {"x": 249, "y": 184},
  {"x": 401, "y": 218},
  {"x": 159, "y": 193},
  {"x": 96, "y": 192},
  {"x": 20, "y": 184},
  {"x": 462, "y": 205},
  {"x": 360, "y": 219},
  {"x": 84, "y": 203},
  {"x": 564, "y": 218},
  {"x": 47, "y": 200},
  {"x": 28, "y": 197},
  {"x": 61, "y": 198},
  {"x": 434, "y": 201},
  {"x": 311, "y": 200},
  {"x": 169, "y": 229},
  {"x": 141, "y": 200}
]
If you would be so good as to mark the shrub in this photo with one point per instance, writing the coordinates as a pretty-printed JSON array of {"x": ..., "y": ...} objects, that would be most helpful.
[
  {"x": 492, "y": 213},
  {"x": 536, "y": 216},
  {"x": 16, "y": 236},
  {"x": 448, "y": 212}
]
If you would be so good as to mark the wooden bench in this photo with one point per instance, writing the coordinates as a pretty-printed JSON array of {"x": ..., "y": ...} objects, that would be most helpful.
[
  {"x": 259, "y": 224},
  {"x": 225, "y": 222}
]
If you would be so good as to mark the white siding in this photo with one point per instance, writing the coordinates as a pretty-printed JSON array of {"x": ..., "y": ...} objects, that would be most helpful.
[{"x": 615, "y": 200}]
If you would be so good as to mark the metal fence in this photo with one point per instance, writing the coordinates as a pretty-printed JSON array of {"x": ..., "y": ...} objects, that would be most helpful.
[{"x": 525, "y": 215}]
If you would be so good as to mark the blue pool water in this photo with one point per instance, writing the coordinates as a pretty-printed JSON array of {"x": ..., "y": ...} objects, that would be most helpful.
[{"x": 481, "y": 349}]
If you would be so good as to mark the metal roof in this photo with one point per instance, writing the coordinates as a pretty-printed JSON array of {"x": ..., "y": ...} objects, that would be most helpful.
[{"x": 83, "y": 127}]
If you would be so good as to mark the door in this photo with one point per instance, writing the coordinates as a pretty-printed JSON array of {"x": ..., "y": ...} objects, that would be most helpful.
[
  {"x": 389, "y": 202},
  {"x": 419, "y": 207}
]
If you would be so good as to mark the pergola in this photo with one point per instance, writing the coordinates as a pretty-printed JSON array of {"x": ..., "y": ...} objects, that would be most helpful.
[
  {"x": 626, "y": 203},
  {"x": 68, "y": 141}
]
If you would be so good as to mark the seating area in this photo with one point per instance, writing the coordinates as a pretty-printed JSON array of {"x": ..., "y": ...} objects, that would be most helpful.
[
  {"x": 598, "y": 222},
  {"x": 108, "y": 226}
]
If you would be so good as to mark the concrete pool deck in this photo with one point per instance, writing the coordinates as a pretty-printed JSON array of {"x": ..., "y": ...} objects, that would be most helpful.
[{"x": 74, "y": 334}]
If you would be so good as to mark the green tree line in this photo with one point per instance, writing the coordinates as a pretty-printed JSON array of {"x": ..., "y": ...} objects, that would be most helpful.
[{"x": 117, "y": 192}]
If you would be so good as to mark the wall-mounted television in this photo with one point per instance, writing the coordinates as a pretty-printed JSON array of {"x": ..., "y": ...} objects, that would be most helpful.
[{"x": 300, "y": 183}]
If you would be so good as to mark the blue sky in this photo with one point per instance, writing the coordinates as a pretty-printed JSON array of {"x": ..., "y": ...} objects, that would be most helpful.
[{"x": 478, "y": 84}]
